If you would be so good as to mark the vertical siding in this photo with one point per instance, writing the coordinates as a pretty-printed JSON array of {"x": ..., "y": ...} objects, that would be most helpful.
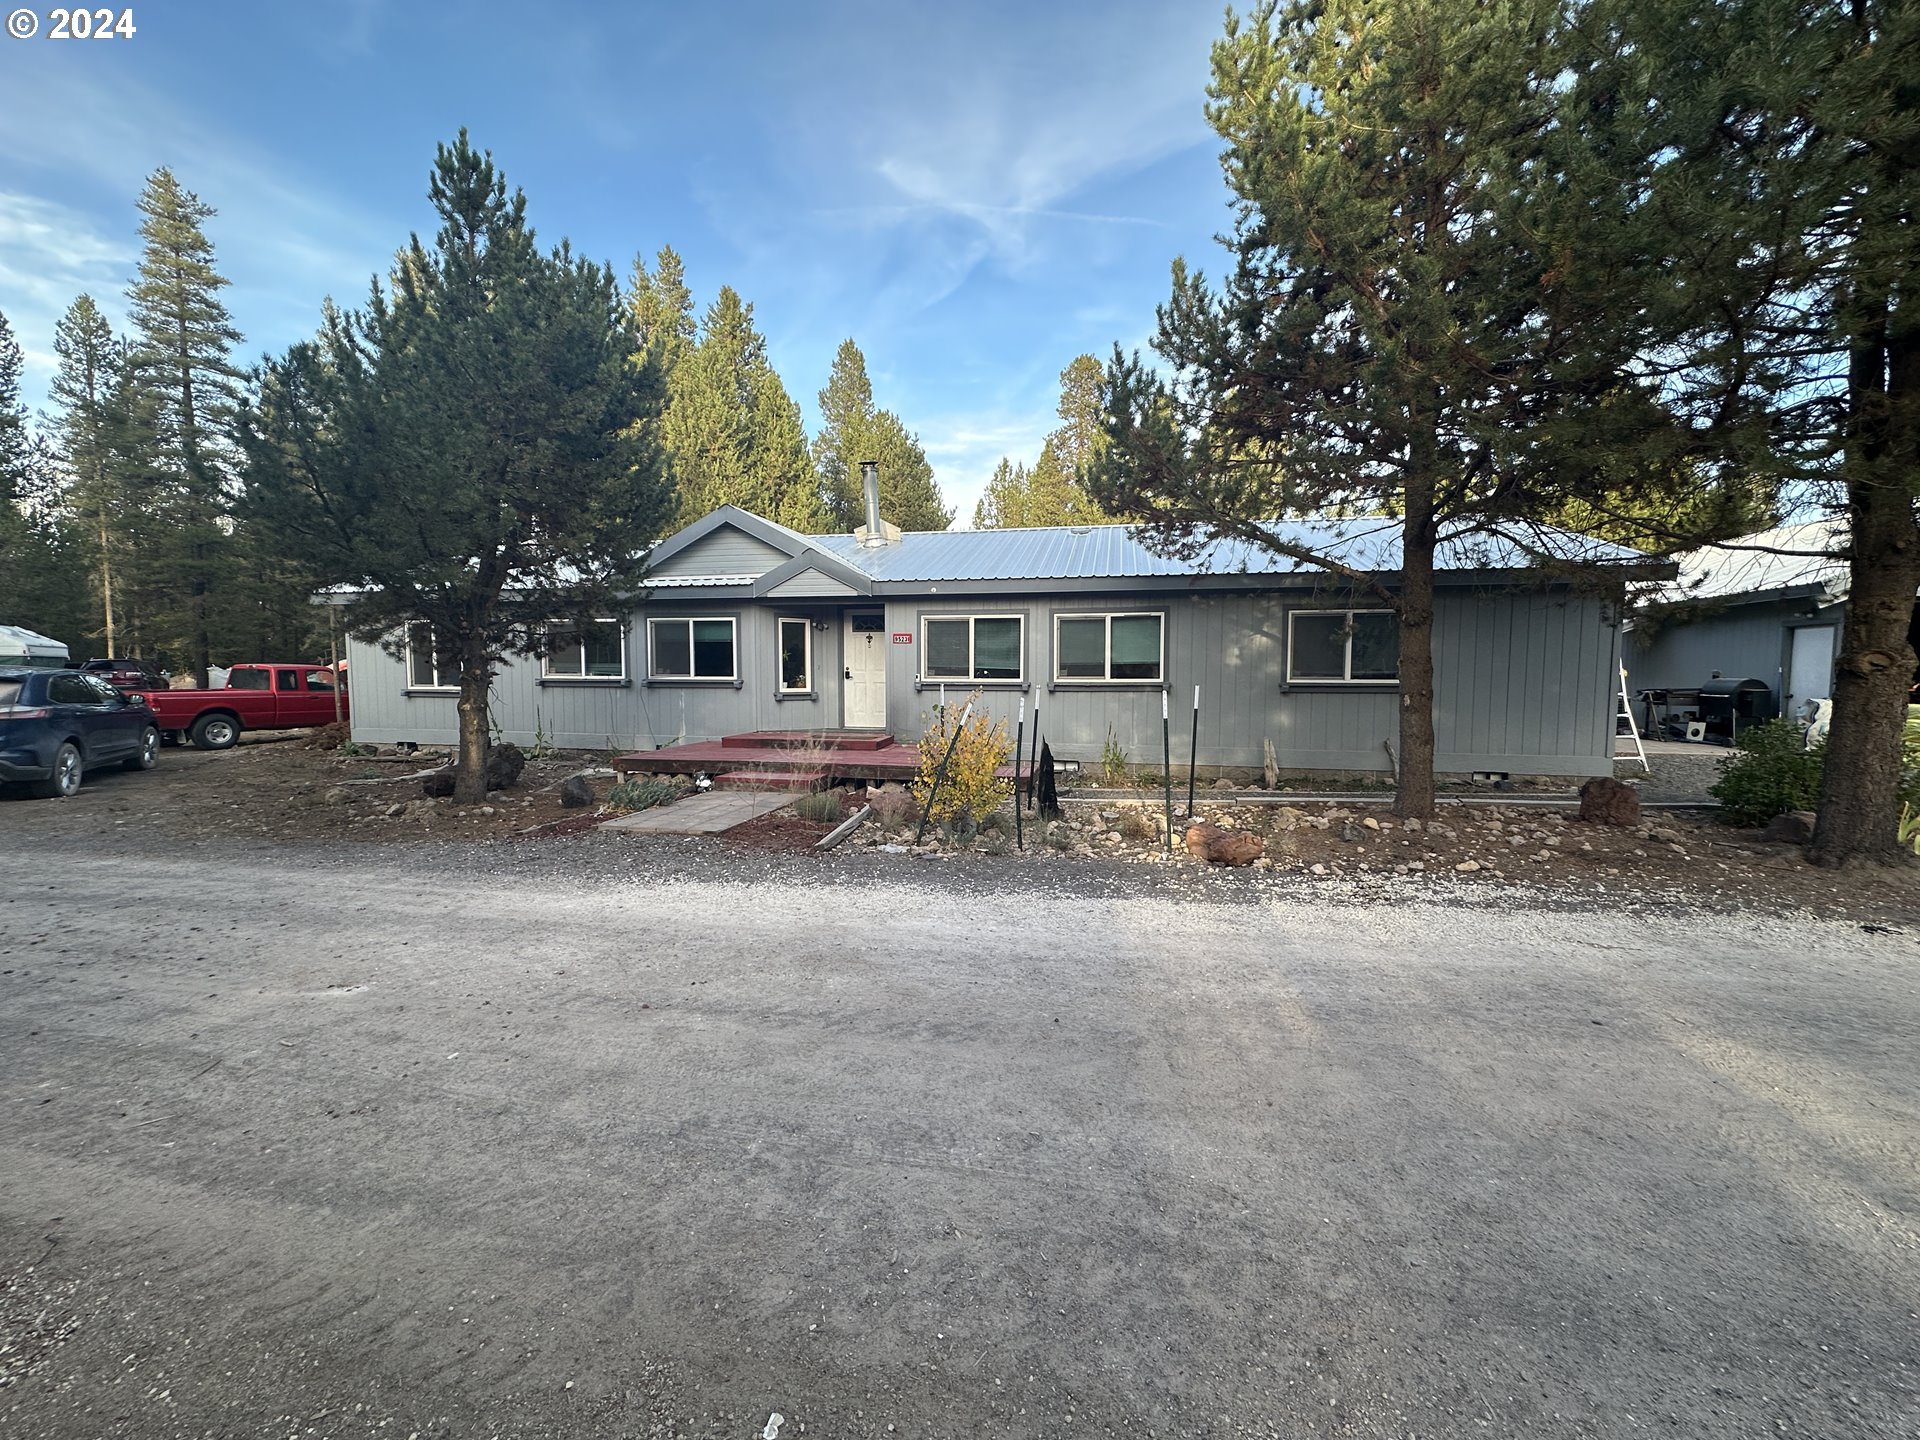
[
  {"x": 1524, "y": 683},
  {"x": 1739, "y": 642}
]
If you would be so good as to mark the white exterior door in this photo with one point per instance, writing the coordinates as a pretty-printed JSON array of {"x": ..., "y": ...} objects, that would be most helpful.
[
  {"x": 1809, "y": 665},
  {"x": 864, "y": 659}
]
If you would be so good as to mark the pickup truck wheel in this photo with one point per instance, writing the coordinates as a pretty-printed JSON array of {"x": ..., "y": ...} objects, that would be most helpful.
[
  {"x": 65, "y": 780},
  {"x": 148, "y": 755},
  {"x": 215, "y": 732}
]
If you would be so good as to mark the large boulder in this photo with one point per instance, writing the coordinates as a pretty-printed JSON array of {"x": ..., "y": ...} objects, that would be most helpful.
[
  {"x": 575, "y": 792},
  {"x": 1793, "y": 828},
  {"x": 504, "y": 764},
  {"x": 1219, "y": 846},
  {"x": 1606, "y": 801}
]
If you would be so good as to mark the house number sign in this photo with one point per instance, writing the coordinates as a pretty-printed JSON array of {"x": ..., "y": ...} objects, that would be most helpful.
[{"x": 903, "y": 637}]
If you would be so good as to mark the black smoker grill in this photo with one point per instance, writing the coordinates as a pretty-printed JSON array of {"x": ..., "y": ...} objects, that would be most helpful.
[{"x": 1729, "y": 706}]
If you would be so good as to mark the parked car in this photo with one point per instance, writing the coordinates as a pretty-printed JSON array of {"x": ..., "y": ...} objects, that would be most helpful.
[
  {"x": 257, "y": 697},
  {"x": 128, "y": 675},
  {"x": 56, "y": 725}
]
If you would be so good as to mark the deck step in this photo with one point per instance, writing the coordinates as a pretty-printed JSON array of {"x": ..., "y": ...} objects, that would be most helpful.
[
  {"x": 807, "y": 740},
  {"x": 772, "y": 778}
]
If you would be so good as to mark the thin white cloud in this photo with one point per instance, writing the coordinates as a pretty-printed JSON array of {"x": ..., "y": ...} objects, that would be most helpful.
[
  {"x": 284, "y": 243},
  {"x": 49, "y": 254}
]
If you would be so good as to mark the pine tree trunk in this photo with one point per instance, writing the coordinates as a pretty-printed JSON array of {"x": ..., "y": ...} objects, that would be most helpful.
[
  {"x": 470, "y": 771},
  {"x": 1413, "y": 800},
  {"x": 1860, "y": 783},
  {"x": 106, "y": 584}
]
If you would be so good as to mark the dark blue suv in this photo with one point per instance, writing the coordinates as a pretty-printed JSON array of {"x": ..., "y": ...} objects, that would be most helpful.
[{"x": 55, "y": 725}]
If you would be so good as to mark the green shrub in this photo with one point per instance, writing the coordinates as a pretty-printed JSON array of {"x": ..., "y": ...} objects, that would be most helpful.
[
  {"x": 641, "y": 794},
  {"x": 1770, "y": 773},
  {"x": 821, "y": 805}
]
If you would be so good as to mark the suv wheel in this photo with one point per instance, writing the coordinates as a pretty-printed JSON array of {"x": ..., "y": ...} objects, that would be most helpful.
[
  {"x": 65, "y": 780},
  {"x": 216, "y": 732},
  {"x": 148, "y": 755}
]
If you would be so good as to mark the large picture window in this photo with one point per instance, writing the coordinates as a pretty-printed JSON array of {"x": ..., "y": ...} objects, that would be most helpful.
[
  {"x": 796, "y": 656},
  {"x": 1343, "y": 646},
  {"x": 697, "y": 649},
  {"x": 972, "y": 647},
  {"x": 1108, "y": 647},
  {"x": 592, "y": 652},
  {"x": 428, "y": 668}
]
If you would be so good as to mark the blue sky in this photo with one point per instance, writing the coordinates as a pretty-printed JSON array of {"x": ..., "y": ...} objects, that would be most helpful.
[{"x": 974, "y": 193}]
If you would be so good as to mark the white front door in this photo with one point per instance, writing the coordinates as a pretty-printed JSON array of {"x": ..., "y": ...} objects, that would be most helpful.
[
  {"x": 1809, "y": 665},
  {"x": 863, "y": 653}
]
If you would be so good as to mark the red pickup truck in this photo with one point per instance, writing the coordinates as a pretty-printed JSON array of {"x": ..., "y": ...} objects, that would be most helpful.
[{"x": 256, "y": 697}]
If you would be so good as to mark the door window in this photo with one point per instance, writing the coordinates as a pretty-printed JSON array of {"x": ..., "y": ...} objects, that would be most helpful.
[{"x": 70, "y": 690}]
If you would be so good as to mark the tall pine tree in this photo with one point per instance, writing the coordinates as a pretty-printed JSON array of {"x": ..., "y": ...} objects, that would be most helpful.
[
  {"x": 734, "y": 436},
  {"x": 92, "y": 437},
  {"x": 853, "y": 430},
  {"x": 1410, "y": 316},
  {"x": 182, "y": 354},
  {"x": 1053, "y": 491},
  {"x": 475, "y": 451}
]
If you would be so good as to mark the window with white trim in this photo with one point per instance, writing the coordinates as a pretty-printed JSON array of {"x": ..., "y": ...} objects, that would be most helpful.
[
  {"x": 592, "y": 652},
  {"x": 972, "y": 647},
  {"x": 700, "y": 648},
  {"x": 796, "y": 655},
  {"x": 1343, "y": 647},
  {"x": 427, "y": 667},
  {"x": 1125, "y": 647}
]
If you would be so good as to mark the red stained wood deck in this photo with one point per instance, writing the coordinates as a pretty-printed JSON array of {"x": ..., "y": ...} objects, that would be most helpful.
[{"x": 814, "y": 757}]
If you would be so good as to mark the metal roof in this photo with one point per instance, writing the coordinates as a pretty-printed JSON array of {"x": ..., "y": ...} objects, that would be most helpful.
[
  {"x": 1749, "y": 566},
  {"x": 1115, "y": 552}
]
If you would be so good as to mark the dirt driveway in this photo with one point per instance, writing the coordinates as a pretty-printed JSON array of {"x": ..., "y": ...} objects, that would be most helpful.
[{"x": 586, "y": 1139}]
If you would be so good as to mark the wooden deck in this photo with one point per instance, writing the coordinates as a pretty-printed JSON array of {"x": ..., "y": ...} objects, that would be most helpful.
[{"x": 794, "y": 758}]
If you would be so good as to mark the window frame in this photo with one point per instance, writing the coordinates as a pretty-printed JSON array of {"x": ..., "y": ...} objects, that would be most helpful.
[
  {"x": 1158, "y": 682},
  {"x": 1347, "y": 680},
  {"x": 441, "y": 685},
  {"x": 927, "y": 620},
  {"x": 583, "y": 677},
  {"x": 780, "y": 686},
  {"x": 656, "y": 676}
]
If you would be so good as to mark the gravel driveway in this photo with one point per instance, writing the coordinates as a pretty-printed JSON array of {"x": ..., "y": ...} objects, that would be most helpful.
[{"x": 590, "y": 1140}]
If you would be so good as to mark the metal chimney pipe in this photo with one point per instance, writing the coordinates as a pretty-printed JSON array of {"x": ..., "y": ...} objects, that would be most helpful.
[{"x": 870, "y": 482}]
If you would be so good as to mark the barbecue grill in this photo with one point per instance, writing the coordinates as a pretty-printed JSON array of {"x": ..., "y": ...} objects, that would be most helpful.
[{"x": 1729, "y": 706}]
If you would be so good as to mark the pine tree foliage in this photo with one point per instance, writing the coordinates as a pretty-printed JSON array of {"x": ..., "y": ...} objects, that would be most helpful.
[
  {"x": 93, "y": 439},
  {"x": 183, "y": 356},
  {"x": 475, "y": 451},
  {"x": 853, "y": 430},
  {"x": 660, "y": 308},
  {"x": 1053, "y": 491},
  {"x": 1407, "y": 331},
  {"x": 733, "y": 434},
  {"x": 37, "y": 543},
  {"x": 1783, "y": 145}
]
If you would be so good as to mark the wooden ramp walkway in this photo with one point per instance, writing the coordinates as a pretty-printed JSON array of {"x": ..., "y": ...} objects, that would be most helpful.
[{"x": 712, "y": 813}]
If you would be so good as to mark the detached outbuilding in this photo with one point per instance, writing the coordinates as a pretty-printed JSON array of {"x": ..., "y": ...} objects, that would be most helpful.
[
  {"x": 746, "y": 626},
  {"x": 1768, "y": 608}
]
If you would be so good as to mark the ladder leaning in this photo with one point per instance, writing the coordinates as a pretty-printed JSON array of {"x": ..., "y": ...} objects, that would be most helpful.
[{"x": 1625, "y": 713}]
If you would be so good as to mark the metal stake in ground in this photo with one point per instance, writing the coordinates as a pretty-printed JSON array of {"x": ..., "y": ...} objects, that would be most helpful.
[
  {"x": 1193, "y": 751},
  {"x": 1033, "y": 764},
  {"x": 941, "y": 774},
  {"x": 1166, "y": 766},
  {"x": 1019, "y": 744}
]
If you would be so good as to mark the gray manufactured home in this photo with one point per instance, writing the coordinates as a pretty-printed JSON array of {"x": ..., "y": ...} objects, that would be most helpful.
[{"x": 747, "y": 626}]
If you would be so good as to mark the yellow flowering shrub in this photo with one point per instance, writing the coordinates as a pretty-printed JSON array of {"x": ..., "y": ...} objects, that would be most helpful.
[{"x": 972, "y": 790}]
